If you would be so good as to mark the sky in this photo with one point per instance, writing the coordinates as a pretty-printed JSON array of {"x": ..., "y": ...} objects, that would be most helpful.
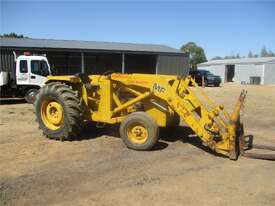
[{"x": 221, "y": 28}]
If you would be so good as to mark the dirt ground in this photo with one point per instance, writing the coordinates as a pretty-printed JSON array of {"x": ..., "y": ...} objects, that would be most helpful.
[{"x": 100, "y": 170}]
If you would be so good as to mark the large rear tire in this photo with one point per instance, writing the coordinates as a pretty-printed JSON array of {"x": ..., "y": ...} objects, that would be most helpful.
[
  {"x": 139, "y": 131},
  {"x": 58, "y": 111}
]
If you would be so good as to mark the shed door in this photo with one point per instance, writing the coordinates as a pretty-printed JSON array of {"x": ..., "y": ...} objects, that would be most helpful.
[{"x": 229, "y": 73}]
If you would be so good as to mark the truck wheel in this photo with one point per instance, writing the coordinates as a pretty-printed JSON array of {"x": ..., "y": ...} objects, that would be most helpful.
[
  {"x": 139, "y": 131},
  {"x": 58, "y": 112},
  {"x": 31, "y": 95}
]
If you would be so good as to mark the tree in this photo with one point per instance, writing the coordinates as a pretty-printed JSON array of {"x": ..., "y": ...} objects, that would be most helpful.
[
  {"x": 228, "y": 57},
  {"x": 196, "y": 53},
  {"x": 13, "y": 35},
  {"x": 264, "y": 52},
  {"x": 271, "y": 54},
  {"x": 250, "y": 54},
  {"x": 216, "y": 58}
]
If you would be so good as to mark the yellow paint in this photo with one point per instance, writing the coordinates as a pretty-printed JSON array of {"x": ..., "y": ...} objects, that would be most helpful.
[
  {"x": 52, "y": 114},
  {"x": 137, "y": 133},
  {"x": 109, "y": 99},
  {"x": 161, "y": 117},
  {"x": 72, "y": 79}
]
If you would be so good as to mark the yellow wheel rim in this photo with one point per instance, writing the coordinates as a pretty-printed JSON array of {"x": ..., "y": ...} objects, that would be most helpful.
[
  {"x": 137, "y": 133},
  {"x": 52, "y": 114}
]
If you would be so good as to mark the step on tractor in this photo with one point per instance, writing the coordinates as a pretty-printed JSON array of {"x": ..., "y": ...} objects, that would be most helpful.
[{"x": 141, "y": 104}]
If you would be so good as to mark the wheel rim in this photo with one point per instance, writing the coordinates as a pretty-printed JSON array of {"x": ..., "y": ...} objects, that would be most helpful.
[
  {"x": 31, "y": 96},
  {"x": 52, "y": 114},
  {"x": 137, "y": 133}
]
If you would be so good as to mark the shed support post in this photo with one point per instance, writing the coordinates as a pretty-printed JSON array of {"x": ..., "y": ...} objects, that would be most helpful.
[
  {"x": 123, "y": 63},
  {"x": 157, "y": 64},
  {"x": 263, "y": 75},
  {"x": 82, "y": 62}
]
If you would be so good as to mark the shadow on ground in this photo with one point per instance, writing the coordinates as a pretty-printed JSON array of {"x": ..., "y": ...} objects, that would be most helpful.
[
  {"x": 167, "y": 136},
  {"x": 12, "y": 101},
  {"x": 184, "y": 134}
]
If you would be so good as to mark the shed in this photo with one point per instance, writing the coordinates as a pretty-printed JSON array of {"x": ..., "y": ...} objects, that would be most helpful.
[
  {"x": 92, "y": 57},
  {"x": 259, "y": 70}
]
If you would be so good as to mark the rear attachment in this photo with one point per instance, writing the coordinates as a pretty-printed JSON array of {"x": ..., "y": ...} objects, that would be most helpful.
[
  {"x": 245, "y": 143},
  {"x": 222, "y": 132}
]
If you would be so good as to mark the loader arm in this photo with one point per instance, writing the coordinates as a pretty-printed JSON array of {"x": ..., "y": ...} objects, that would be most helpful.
[{"x": 210, "y": 123}]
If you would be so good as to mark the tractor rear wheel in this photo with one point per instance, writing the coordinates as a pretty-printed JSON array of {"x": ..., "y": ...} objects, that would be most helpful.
[
  {"x": 139, "y": 131},
  {"x": 58, "y": 111}
]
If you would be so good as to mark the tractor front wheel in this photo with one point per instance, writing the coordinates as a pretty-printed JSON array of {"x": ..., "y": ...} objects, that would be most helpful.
[
  {"x": 58, "y": 111},
  {"x": 139, "y": 131}
]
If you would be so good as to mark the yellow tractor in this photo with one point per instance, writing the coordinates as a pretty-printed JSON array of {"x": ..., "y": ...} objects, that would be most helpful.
[{"x": 141, "y": 103}]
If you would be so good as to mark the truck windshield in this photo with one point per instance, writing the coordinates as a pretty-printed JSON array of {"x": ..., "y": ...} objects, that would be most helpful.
[{"x": 39, "y": 67}]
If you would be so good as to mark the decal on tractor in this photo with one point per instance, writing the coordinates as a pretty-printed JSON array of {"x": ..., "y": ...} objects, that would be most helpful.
[{"x": 158, "y": 87}]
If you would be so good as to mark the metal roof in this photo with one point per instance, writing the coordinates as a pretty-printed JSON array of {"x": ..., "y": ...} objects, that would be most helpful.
[
  {"x": 258, "y": 60},
  {"x": 86, "y": 45}
]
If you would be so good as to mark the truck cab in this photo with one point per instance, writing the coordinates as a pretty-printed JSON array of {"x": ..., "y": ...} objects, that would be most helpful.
[
  {"x": 32, "y": 70},
  {"x": 31, "y": 73}
]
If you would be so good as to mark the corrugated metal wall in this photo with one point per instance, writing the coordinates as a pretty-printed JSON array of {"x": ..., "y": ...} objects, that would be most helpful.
[
  {"x": 243, "y": 72},
  {"x": 269, "y": 73},
  {"x": 7, "y": 61},
  {"x": 69, "y": 62},
  {"x": 175, "y": 65}
]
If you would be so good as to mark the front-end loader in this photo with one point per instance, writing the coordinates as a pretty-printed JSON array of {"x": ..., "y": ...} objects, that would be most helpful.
[{"x": 141, "y": 103}]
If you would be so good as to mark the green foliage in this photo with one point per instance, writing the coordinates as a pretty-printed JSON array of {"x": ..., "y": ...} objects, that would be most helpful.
[
  {"x": 13, "y": 35},
  {"x": 250, "y": 54},
  {"x": 196, "y": 53},
  {"x": 216, "y": 58},
  {"x": 265, "y": 53},
  {"x": 232, "y": 56}
]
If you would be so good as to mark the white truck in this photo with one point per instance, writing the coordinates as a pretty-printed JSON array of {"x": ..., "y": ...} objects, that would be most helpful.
[{"x": 31, "y": 72}]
